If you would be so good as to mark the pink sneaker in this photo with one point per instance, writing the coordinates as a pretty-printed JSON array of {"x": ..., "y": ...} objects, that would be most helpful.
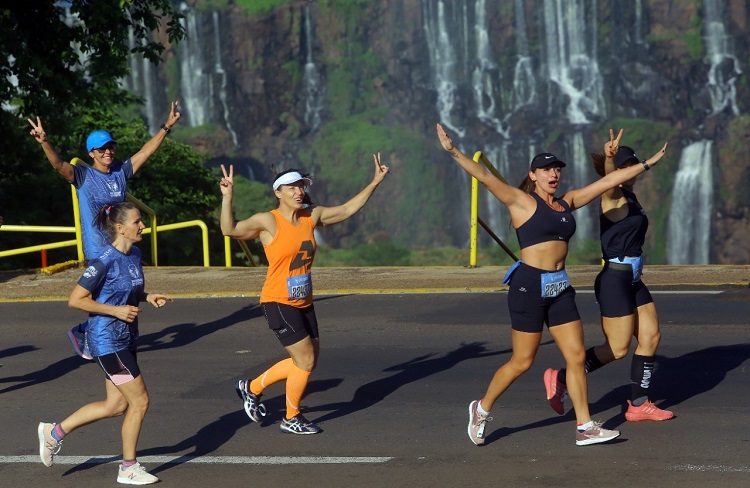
[
  {"x": 595, "y": 434},
  {"x": 48, "y": 446},
  {"x": 555, "y": 391},
  {"x": 477, "y": 422},
  {"x": 646, "y": 411}
]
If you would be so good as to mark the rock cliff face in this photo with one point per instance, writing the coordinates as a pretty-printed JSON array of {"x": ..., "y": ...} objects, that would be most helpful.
[{"x": 321, "y": 85}]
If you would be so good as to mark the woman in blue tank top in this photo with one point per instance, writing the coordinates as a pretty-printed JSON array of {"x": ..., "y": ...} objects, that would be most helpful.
[
  {"x": 539, "y": 288},
  {"x": 626, "y": 305},
  {"x": 110, "y": 290}
]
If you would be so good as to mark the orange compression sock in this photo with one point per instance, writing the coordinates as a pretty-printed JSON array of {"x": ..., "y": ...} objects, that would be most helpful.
[
  {"x": 295, "y": 388},
  {"x": 277, "y": 372}
]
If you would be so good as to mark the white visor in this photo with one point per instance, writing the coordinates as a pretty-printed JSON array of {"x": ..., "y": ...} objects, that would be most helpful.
[{"x": 289, "y": 178}]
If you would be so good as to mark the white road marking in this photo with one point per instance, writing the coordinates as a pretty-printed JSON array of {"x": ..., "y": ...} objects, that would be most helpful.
[
  {"x": 706, "y": 468},
  {"x": 277, "y": 460}
]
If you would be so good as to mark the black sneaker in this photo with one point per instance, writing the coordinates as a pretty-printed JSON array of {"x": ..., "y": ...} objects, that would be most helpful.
[
  {"x": 298, "y": 425},
  {"x": 253, "y": 408}
]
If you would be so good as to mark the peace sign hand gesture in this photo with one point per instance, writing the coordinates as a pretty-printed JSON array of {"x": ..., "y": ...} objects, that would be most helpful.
[
  {"x": 227, "y": 181},
  {"x": 445, "y": 140},
  {"x": 37, "y": 131},
  {"x": 611, "y": 147}
]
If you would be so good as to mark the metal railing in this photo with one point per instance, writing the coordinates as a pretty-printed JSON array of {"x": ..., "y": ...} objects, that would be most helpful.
[
  {"x": 76, "y": 229},
  {"x": 474, "y": 219}
]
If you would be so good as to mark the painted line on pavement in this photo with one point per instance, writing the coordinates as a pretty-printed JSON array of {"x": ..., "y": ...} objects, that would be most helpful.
[
  {"x": 268, "y": 460},
  {"x": 712, "y": 468}
]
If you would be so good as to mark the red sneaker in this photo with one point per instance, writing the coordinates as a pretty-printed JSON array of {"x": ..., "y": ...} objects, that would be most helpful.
[
  {"x": 555, "y": 391},
  {"x": 646, "y": 411}
]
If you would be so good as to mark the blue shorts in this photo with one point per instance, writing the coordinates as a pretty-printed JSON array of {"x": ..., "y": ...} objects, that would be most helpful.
[
  {"x": 616, "y": 293},
  {"x": 529, "y": 311}
]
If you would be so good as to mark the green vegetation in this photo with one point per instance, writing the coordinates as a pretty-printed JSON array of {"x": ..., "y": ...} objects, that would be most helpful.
[{"x": 255, "y": 7}]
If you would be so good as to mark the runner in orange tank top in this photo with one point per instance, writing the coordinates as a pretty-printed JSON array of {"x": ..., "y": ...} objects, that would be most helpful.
[{"x": 287, "y": 295}]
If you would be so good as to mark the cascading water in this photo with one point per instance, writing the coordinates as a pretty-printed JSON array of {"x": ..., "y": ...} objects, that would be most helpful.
[
  {"x": 724, "y": 66},
  {"x": 142, "y": 82},
  {"x": 194, "y": 84},
  {"x": 222, "y": 74},
  {"x": 314, "y": 93},
  {"x": 689, "y": 229},
  {"x": 443, "y": 62},
  {"x": 574, "y": 72}
]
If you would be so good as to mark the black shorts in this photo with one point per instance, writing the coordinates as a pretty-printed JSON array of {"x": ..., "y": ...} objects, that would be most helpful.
[
  {"x": 616, "y": 293},
  {"x": 529, "y": 311},
  {"x": 290, "y": 324},
  {"x": 121, "y": 366}
]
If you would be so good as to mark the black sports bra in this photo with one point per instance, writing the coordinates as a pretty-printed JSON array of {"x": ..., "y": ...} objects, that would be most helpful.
[{"x": 547, "y": 224}]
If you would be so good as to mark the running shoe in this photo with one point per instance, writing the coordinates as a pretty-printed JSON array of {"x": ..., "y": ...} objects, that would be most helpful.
[
  {"x": 646, "y": 411},
  {"x": 135, "y": 475},
  {"x": 253, "y": 408},
  {"x": 298, "y": 425},
  {"x": 555, "y": 391},
  {"x": 477, "y": 422},
  {"x": 595, "y": 434},
  {"x": 79, "y": 342},
  {"x": 48, "y": 446}
]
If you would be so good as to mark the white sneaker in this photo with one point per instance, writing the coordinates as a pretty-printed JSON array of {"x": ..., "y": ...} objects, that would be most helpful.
[
  {"x": 135, "y": 475},
  {"x": 477, "y": 423},
  {"x": 48, "y": 446}
]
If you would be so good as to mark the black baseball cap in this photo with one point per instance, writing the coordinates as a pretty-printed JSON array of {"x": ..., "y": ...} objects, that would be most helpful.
[
  {"x": 545, "y": 159},
  {"x": 624, "y": 156}
]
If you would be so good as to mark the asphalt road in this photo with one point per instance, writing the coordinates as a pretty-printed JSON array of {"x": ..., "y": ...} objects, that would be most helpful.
[{"x": 391, "y": 392}]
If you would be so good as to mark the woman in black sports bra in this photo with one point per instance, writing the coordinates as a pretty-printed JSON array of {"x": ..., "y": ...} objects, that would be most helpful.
[
  {"x": 539, "y": 289},
  {"x": 626, "y": 305}
]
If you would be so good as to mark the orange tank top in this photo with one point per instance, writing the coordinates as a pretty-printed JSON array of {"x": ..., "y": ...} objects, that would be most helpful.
[{"x": 290, "y": 256}]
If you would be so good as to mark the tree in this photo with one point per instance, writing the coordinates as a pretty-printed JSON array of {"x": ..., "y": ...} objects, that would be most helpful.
[{"x": 63, "y": 60}]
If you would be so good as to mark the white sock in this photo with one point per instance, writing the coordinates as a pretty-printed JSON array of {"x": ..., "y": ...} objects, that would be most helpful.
[
  {"x": 586, "y": 426},
  {"x": 480, "y": 409}
]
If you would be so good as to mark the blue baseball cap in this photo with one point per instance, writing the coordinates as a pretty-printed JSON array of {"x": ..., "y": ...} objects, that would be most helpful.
[{"x": 97, "y": 139}]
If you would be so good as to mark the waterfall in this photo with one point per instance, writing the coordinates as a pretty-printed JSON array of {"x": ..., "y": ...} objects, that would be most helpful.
[
  {"x": 485, "y": 73},
  {"x": 314, "y": 90},
  {"x": 195, "y": 86},
  {"x": 573, "y": 69},
  {"x": 443, "y": 61},
  {"x": 724, "y": 66},
  {"x": 222, "y": 74},
  {"x": 142, "y": 81},
  {"x": 689, "y": 228},
  {"x": 524, "y": 86}
]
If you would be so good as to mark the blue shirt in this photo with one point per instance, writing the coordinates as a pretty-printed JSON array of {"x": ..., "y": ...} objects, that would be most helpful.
[
  {"x": 116, "y": 279},
  {"x": 95, "y": 190}
]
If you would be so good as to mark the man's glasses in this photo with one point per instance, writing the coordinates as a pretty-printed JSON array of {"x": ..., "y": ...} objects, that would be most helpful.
[{"x": 111, "y": 146}]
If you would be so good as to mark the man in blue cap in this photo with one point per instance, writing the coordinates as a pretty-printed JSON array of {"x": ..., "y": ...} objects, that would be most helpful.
[{"x": 102, "y": 183}]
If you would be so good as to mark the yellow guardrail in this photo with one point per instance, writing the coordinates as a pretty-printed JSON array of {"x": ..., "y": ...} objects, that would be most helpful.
[
  {"x": 76, "y": 229},
  {"x": 228, "y": 252},
  {"x": 474, "y": 219}
]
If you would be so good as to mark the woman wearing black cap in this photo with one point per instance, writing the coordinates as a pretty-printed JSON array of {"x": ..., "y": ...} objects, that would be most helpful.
[
  {"x": 287, "y": 295},
  {"x": 625, "y": 303},
  {"x": 539, "y": 288}
]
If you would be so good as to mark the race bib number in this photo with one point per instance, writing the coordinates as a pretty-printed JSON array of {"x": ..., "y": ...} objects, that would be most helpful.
[
  {"x": 554, "y": 283},
  {"x": 299, "y": 286}
]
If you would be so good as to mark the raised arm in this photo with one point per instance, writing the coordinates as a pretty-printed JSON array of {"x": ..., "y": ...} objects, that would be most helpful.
[
  {"x": 583, "y": 196},
  {"x": 334, "y": 215},
  {"x": 507, "y": 194},
  {"x": 139, "y": 159},
  {"x": 63, "y": 167},
  {"x": 245, "y": 229},
  {"x": 610, "y": 149}
]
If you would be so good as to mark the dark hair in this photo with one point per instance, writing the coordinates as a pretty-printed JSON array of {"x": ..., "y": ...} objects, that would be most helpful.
[
  {"x": 527, "y": 185},
  {"x": 111, "y": 215},
  {"x": 597, "y": 160}
]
